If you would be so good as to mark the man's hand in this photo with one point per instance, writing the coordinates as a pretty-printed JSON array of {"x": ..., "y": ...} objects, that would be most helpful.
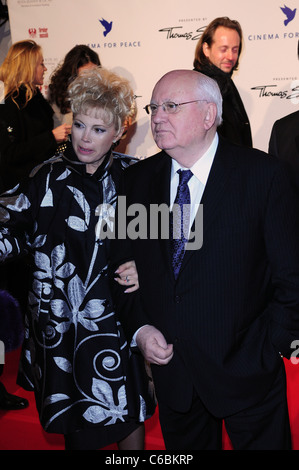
[{"x": 153, "y": 345}]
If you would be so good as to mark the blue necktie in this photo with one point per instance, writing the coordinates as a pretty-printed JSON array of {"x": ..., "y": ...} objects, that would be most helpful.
[{"x": 180, "y": 218}]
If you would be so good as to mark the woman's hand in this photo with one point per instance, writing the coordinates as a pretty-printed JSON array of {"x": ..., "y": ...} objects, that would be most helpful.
[
  {"x": 61, "y": 133},
  {"x": 128, "y": 276}
]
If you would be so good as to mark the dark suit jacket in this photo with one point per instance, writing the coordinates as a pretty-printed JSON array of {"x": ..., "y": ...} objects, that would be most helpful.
[
  {"x": 235, "y": 304},
  {"x": 284, "y": 141}
]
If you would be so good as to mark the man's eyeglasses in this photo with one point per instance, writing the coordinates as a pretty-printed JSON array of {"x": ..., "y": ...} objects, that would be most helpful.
[{"x": 169, "y": 107}]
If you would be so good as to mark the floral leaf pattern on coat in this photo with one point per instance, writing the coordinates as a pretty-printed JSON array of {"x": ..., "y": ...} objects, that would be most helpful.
[
  {"x": 63, "y": 364},
  {"x": 48, "y": 199},
  {"x": 98, "y": 413},
  {"x": 75, "y": 354},
  {"x": 75, "y": 222}
]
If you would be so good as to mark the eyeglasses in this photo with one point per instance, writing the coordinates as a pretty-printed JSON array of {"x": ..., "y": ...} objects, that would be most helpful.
[{"x": 169, "y": 107}]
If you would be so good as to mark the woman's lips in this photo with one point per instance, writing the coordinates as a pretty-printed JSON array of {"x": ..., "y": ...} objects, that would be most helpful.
[{"x": 84, "y": 150}]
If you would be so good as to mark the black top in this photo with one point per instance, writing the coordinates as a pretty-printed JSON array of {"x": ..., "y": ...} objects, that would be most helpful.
[
  {"x": 235, "y": 126},
  {"x": 26, "y": 137}
]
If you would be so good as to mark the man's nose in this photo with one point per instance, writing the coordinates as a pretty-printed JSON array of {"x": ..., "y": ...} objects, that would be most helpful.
[
  {"x": 229, "y": 54},
  {"x": 160, "y": 114}
]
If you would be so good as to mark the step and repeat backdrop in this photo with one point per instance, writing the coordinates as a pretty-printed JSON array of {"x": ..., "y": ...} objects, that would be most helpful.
[{"x": 142, "y": 40}]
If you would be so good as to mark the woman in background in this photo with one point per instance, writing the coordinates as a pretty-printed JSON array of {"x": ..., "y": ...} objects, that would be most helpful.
[
  {"x": 27, "y": 133},
  {"x": 79, "y": 58}
]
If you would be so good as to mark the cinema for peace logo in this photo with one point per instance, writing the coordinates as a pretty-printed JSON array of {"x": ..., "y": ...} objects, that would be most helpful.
[
  {"x": 107, "y": 25},
  {"x": 110, "y": 42},
  {"x": 289, "y": 14}
]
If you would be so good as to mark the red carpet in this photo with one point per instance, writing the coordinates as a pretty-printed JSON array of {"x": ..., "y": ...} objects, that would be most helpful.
[{"x": 21, "y": 430}]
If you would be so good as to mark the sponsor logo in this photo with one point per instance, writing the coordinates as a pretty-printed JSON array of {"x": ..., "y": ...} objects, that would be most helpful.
[
  {"x": 271, "y": 91},
  {"x": 32, "y": 32},
  {"x": 106, "y": 25},
  {"x": 38, "y": 33},
  {"x": 107, "y": 29},
  {"x": 289, "y": 14},
  {"x": 114, "y": 45},
  {"x": 177, "y": 32}
]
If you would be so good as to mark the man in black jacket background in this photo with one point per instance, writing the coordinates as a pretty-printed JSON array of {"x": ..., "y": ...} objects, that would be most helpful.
[
  {"x": 217, "y": 55},
  {"x": 284, "y": 140}
]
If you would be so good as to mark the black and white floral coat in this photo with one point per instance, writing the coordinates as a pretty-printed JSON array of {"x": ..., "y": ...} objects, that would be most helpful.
[{"x": 74, "y": 356}]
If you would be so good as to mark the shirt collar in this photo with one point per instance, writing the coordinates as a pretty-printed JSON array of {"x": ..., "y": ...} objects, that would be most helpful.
[{"x": 201, "y": 168}]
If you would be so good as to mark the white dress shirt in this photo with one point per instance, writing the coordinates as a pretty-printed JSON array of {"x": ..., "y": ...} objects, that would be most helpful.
[{"x": 197, "y": 182}]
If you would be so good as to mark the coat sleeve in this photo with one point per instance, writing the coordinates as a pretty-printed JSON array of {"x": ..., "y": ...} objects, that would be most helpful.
[
  {"x": 281, "y": 232},
  {"x": 16, "y": 220}
]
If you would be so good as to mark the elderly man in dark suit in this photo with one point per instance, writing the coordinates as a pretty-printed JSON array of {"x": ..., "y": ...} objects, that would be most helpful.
[{"x": 215, "y": 321}]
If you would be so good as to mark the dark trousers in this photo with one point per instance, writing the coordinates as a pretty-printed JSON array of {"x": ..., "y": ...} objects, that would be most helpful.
[{"x": 264, "y": 426}]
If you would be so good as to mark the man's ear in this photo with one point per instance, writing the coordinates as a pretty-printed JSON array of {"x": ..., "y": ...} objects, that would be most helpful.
[
  {"x": 210, "y": 117},
  {"x": 206, "y": 49}
]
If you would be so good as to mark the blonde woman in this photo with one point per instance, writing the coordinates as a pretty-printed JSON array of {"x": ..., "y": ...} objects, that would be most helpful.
[{"x": 87, "y": 385}]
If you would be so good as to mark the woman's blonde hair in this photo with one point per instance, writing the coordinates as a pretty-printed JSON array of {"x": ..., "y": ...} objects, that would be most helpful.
[
  {"x": 100, "y": 89},
  {"x": 18, "y": 68}
]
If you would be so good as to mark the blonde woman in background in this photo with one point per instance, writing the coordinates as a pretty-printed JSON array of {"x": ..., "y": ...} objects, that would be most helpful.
[{"x": 27, "y": 134}]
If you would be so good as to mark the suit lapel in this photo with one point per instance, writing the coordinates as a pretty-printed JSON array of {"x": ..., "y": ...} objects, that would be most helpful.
[{"x": 160, "y": 194}]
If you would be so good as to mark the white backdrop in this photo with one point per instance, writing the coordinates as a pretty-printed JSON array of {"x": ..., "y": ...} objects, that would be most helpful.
[{"x": 148, "y": 38}]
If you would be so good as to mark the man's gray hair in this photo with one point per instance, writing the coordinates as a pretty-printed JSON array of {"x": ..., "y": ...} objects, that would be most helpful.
[{"x": 210, "y": 91}]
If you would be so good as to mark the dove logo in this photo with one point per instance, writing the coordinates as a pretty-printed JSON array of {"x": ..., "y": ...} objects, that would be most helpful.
[
  {"x": 106, "y": 25},
  {"x": 290, "y": 14}
]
